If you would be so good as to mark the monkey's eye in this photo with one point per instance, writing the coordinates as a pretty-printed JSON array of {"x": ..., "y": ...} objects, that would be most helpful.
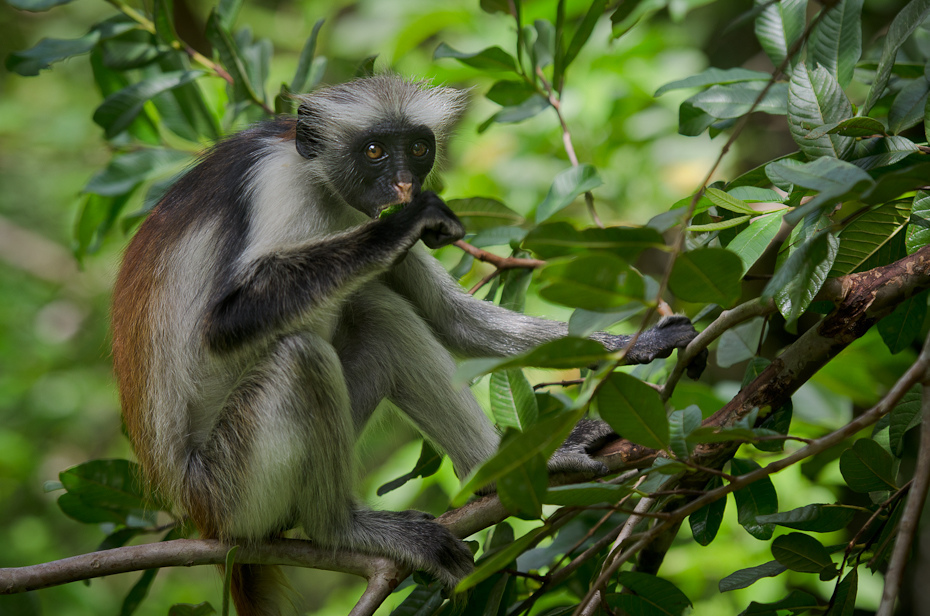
[
  {"x": 419, "y": 149},
  {"x": 374, "y": 151}
]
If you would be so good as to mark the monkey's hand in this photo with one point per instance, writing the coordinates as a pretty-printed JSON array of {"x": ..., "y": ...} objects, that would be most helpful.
[
  {"x": 574, "y": 456},
  {"x": 438, "y": 225},
  {"x": 672, "y": 332}
]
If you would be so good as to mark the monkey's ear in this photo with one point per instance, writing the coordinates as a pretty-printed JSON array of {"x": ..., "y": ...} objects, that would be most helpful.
[{"x": 309, "y": 140}]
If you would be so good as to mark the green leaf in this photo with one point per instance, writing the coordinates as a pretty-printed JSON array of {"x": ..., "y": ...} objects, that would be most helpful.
[
  {"x": 705, "y": 522},
  {"x": 752, "y": 241},
  {"x": 523, "y": 489},
  {"x": 844, "y": 599},
  {"x": 126, "y": 172},
  {"x": 230, "y": 57},
  {"x": 714, "y": 76},
  {"x": 835, "y": 180},
  {"x": 87, "y": 513},
  {"x": 628, "y": 14},
  {"x": 904, "y": 416},
  {"x": 813, "y": 518},
  {"x": 653, "y": 595},
  {"x": 893, "y": 184},
  {"x": 800, "y": 552},
  {"x": 882, "y": 152},
  {"x": 190, "y": 115},
  {"x": 867, "y": 235},
  {"x": 598, "y": 282},
  {"x": 836, "y": 40},
  {"x": 908, "y": 107},
  {"x": 48, "y": 51},
  {"x": 707, "y": 275},
  {"x": 867, "y": 467},
  {"x": 585, "y": 494},
  {"x": 497, "y": 236},
  {"x": 163, "y": 18},
  {"x": 228, "y": 10},
  {"x": 754, "y": 194},
  {"x": 559, "y": 354},
  {"x": 427, "y": 464},
  {"x": 118, "y": 110},
  {"x": 133, "y": 49},
  {"x": 815, "y": 99},
  {"x": 800, "y": 277},
  {"x": 422, "y": 601},
  {"x": 747, "y": 577},
  {"x": 529, "y": 108},
  {"x": 903, "y": 25},
  {"x": 634, "y": 410},
  {"x": 720, "y": 226},
  {"x": 681, "y": 424},
  {"x": 900, "y": 329},
  {"x": 480, "y": 213},
  {"x": 227, "y": 577},
  {"x": 566, "y": 186},
  {"x": 559, "y": 239},
  {"x": 138, "y": 592},
  {"x": 738, "y": 99},
  {"x": 740, "y": 343},
  {"x": 778, "y": 27},
  {"x": 306, "y": 77},
  {"x": 543, "y": 47},
  {"x": 583, "y": 33},
  {"x": 693, "y": 121},
  {"x": 758, "y": 498},
  {"x": 918, "y": 232},
  {"x": 778, "y": 422},
  {"x": 113, "y": 483},
  {"x": 851, "y": 127},
  {"x": 541, "y": 439},
  {"x": 797, "y": 602},
  {"x": 510, "y": 93},
  {"x": 512, "y": 401},
  {"x": 729, "y": 202},
  {"x": 490, "y": 59},
  {"x": 96, "y": 217},
  {"x": 501, "y": 559}
]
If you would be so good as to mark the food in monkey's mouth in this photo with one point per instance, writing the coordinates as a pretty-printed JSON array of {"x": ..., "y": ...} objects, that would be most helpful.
[{"x": 391, "y": 209}]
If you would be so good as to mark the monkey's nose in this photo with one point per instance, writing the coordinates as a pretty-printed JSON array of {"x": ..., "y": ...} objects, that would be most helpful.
[{"x": 404, "y": 191}]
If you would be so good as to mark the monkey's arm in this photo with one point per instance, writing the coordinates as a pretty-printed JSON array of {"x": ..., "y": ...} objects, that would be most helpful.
[
  {"x": 474, "y": 328},
  {"x": 276, "y": 290}
]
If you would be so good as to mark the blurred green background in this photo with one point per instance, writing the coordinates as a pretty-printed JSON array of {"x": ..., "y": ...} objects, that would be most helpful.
[{"x": 58, "y": 404}]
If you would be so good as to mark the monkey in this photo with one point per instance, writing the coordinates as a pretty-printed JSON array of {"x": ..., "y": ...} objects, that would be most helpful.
[{"x": 264, "y": 309}]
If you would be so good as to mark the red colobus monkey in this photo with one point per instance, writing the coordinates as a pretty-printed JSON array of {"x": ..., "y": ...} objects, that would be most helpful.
[{"x": 263, "y": 310}]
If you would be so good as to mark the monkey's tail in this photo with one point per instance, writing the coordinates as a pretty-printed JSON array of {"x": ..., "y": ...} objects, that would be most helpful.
[{"x": 260, "y": 590}]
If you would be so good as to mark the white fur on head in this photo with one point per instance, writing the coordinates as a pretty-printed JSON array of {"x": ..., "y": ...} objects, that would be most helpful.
[{"x": 359, "y": 104}]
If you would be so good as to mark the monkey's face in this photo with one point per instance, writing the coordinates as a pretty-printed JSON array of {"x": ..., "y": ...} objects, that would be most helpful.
[{"x": 386, "y": 165}]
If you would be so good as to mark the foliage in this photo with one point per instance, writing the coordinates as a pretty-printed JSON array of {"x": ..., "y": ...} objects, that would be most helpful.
[{"x": 851, "y": 197}]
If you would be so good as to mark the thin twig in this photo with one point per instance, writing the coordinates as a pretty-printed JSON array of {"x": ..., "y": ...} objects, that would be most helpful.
[
  {"x": 912, "y": 509},
  {"x": 502, "y": 263}
]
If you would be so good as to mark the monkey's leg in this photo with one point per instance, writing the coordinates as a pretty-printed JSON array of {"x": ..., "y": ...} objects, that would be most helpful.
[
  {"x": 313, "y": 407},
  {"x": 388, "y": 350}
]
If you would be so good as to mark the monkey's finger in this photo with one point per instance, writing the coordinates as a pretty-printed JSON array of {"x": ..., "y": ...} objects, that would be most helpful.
[{"x": 697, "y": 365}]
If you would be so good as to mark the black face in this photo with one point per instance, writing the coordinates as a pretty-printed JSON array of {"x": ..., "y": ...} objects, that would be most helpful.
[{"x": 387, "y": 165}]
